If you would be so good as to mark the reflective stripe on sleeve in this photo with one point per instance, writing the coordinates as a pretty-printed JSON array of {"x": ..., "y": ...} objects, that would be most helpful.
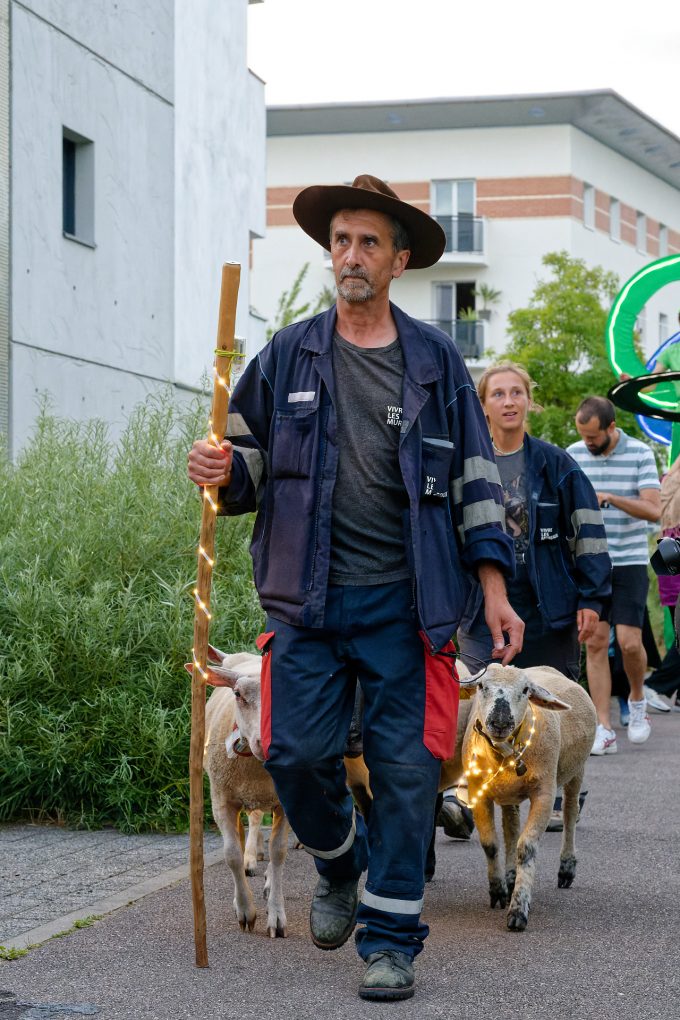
[
  {"x": 236, "y": 425},
  {"x": 485, "y": 511},
  {"x": 590, "y": 546},
  {"x": 474, "y": 470},
  {"x": 586, "y": 516},
  {"x": 329, "y": 855},
  {"x": 391, "y": 906},
  {"x": 254, "y": 464}
]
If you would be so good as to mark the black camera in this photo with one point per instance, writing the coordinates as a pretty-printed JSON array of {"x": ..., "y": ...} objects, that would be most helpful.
[{"x": 666, "y": 559}]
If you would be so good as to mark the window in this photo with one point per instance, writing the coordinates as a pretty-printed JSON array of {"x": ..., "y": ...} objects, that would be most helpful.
[
  {"x": 663, "y": 241},
  {"x": 663, "y": 327},
  {"x": 614, "y": 219},
  {"x": 589, "y": 206},
  {"x": 444, "y": 306},
  {"x": 453, "y": 206},
  {"x": 77, "y": 187},
  {"x": 455, "y": 314},
  {"x": 641, "y": 232}
]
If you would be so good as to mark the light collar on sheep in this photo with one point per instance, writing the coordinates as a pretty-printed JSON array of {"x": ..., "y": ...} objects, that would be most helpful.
[{"x": 512, "y": 752}]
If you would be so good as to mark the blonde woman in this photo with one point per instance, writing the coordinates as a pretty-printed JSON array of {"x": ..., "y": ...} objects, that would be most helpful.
[{"x": 562, "y": 577}]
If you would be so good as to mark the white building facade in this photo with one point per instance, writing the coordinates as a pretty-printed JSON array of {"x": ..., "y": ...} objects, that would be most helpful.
[
  {"x": 510, "y": 179},
  {"x": 132, "y": 156}
]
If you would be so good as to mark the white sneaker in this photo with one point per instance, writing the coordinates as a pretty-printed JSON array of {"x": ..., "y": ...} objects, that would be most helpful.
[
  {"x": 605, "y": 741},
  {"x": 655, "y": 701},
  {"x": 639, "y": 726}
]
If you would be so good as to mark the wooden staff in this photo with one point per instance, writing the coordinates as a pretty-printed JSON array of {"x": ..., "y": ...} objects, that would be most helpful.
[{"x": 231, "y": 273}]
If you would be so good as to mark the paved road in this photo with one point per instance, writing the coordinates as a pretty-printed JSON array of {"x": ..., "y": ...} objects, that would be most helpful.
[{"x": 606, "y": 949}]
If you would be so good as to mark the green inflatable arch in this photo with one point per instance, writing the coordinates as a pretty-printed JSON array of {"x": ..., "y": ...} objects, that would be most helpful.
[{"x": 628, "y": 304}]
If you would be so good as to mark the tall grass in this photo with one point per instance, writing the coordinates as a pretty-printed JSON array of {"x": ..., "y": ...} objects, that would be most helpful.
[{"x": 97, "y": 563}]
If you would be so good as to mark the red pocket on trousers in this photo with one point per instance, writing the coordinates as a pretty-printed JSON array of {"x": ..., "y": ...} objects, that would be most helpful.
[
  {"x": 442, "y": 691},
  {"x": 264, "y": 643}
]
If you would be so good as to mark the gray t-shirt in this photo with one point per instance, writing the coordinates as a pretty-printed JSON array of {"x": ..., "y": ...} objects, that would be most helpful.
[
  {"x": 367, "y": 533},
  {"x": 513, "y": 482}
]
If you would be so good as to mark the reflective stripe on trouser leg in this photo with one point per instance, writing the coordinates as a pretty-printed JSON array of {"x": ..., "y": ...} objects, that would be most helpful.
[
  {"x": 320, "y": 810},
  {"x": 331, "y": 855},
  {"x": 392, "y": 905}
]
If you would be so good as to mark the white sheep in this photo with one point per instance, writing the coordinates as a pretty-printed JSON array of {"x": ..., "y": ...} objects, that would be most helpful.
[
  {"x": 238, "y": 780},
  {"x": 529, "y": 731}
]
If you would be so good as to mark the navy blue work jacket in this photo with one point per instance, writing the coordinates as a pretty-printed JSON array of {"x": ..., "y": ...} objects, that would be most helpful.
[
  {"x": 283, "y": 425},
  {"x": 567, "y": 559}
]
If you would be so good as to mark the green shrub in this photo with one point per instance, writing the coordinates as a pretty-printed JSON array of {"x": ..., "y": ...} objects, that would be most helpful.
[{"x": 98, "y": 561}]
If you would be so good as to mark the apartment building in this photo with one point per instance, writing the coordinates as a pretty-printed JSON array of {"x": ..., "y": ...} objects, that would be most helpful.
[
  {"x": 132, "y": 156},
  {"x": 509, "y": 178}
]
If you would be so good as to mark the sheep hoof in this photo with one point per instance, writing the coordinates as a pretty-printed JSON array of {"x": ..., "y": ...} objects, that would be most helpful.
[
  {"x": 277, "y": 931},
  {"x": 246, "y": 922},
  {"x": 251, "y": 869},
  {"x": 567, "y": 872},
  {"x": 517, "y": 919},
  {"x": 498, "y": 894}
]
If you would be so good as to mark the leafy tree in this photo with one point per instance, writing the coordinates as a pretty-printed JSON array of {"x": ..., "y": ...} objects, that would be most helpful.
[
  {"x": 289, "y": 308},
  {"x": 559, "y": 339}
]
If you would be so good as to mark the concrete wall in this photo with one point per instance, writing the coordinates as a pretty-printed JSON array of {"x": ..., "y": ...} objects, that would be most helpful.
[
  {"x": 178, "y": 125},
  {"x": 91, "y": 326},
  {"x": 220, "y": 184}
]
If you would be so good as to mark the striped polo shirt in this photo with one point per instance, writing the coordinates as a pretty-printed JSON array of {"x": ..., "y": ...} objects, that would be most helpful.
[{"x": 629, "y": 468}]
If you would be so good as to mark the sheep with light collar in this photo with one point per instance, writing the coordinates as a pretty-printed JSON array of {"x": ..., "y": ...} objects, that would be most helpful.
[{"x": 529, "y": 731}]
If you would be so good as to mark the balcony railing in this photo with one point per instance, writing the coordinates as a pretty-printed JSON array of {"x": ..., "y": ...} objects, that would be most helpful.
[
  {"x": 467, "y": 336},
  {"x": 463, "y": 233}
]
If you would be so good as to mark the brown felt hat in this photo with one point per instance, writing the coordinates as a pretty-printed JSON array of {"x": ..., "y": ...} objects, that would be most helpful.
[{"x": 315, "y": 207}]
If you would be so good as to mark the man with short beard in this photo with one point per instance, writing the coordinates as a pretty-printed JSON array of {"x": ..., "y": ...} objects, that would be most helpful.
[
  {"x": 358, "y": 437},
  {"x": 622, "y": 470}
]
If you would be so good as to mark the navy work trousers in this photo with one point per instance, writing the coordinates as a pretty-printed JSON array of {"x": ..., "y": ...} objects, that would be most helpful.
[{"x": 369, "y": 634}]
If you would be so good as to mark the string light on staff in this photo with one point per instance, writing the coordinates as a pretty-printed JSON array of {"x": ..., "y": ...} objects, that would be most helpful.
[
  {"x": 212, "y": 506},
  {"x": 217, "y": 428}
]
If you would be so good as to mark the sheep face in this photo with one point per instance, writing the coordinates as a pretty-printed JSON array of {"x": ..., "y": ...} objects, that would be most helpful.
[
  {"x": 241, "y": 672},
  {"x": 503, "y": 694},
  {"x": 246, "y": 688}
]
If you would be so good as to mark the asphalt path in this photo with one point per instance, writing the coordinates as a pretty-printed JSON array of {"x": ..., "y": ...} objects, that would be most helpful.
[{"x": 605, "y": 949}]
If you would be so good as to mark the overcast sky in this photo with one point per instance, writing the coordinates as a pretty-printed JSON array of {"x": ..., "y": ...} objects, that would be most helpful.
[{"x": 313, "y": 51}]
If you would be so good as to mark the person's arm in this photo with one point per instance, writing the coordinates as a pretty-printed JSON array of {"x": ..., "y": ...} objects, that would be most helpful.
[
  {"x": 646, "y": 506},
  {"x": 500, "y": 617},
  {"x": 238, "y": 465},
  {"x": 591, "y": 564}
]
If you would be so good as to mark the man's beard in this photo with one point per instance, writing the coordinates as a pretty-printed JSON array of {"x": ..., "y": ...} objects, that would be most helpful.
[
  {"x": 353, "y": 294},
  {"x": 597, "y": 451}
]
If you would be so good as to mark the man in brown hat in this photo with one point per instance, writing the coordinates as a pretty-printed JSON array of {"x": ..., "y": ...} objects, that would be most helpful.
[{"x": 358, "y": 438}]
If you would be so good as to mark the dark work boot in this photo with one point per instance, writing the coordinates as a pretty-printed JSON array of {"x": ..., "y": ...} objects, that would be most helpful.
[
  {"x": 388, "y": 976},
  {"x": 455, "y": 818},
  {"x": 334, "y": 911}
]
